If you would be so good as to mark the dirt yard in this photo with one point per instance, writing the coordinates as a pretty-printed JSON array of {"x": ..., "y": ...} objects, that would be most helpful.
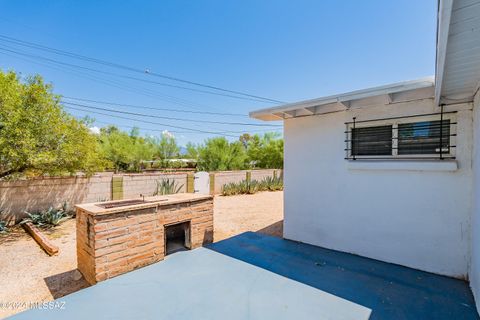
[{"x": 29, "y": 275}]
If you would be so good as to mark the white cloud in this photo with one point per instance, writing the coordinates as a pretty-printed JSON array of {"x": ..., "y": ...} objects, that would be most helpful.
[
  {"x": 95, "y": 130},
  {"x": 168, "y": 134}
]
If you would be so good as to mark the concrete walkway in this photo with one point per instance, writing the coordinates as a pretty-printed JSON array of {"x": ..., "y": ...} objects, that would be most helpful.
[{"x": 253, "y": 276}]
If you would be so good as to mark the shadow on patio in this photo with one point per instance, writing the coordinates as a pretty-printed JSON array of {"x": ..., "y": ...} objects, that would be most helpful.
[{"x": 390, "y": 291}]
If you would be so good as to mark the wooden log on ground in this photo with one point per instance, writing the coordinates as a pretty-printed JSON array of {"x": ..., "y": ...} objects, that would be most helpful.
[{"x": 41, "y": 239}]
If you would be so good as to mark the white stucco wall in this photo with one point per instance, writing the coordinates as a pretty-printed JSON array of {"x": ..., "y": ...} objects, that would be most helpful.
[
  {"x": 419, "y": 219},
  {"x": 475, "y": 249}
]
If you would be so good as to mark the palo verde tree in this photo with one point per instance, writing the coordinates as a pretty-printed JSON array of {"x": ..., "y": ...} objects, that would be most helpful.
[
  {"x": 166, "y": 147},
  {"x": 220, "y": 154},
  {"x": 36, "y": 135},
  {"x": 125, "y": 151},
  {"x": 265, "y": 151}
]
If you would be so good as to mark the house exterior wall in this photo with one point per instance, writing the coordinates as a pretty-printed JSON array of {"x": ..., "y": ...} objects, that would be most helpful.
[
  {"x": 409, "y": 216},
  {"x": 475, "y": 262}
]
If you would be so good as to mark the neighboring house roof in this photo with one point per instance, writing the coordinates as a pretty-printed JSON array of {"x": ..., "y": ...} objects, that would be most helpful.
[
  {"x": 458, "y": 51},
  {"x": 392, "y": 93}
]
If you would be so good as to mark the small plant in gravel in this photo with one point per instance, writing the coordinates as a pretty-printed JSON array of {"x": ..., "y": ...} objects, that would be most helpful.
[
  {"x": 252, "y": 186},
  {"x": 271, "y": 184},
  {"x": 49, "y": 218},
  {"x": 167, "y": 186},
  {"x": 3, "y": 227}
]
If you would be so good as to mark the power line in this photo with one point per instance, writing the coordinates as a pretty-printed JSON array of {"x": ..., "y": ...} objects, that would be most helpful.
[
  {"x": 162, "y": 109},
  {"x": 132, "y": 69},
  {"x": 155, "y": 108},
  {"x": 177, "y": 132},
  {"x": 170, "y": 118},
  {"x": 113, "y": 83},
  {"x": 151, "y": 122},
  {"x": 125, "y": 76}
]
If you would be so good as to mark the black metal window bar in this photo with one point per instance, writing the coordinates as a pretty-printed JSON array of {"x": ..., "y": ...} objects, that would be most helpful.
[{"x": 428, "y": 139}]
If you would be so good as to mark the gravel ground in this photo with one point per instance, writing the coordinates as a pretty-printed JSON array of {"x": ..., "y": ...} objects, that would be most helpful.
[{"x": 29, "y": 275}]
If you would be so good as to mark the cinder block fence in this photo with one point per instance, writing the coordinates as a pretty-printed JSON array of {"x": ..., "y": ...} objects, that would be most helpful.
[{"x": 18, "y": 197}]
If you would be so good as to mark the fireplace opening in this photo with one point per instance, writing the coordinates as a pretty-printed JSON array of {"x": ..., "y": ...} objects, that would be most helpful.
[{"x": 177, "y": 237}]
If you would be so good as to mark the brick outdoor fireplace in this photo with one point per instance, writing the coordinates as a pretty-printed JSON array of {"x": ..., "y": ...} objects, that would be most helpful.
[{"x": 119, "y": 236}]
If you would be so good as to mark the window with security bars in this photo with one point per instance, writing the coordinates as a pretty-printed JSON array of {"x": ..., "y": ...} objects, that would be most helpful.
[
  {"x": 426, "y": 137},
  {"x": 402, "y": 138},
  {"x": 372, "y": 141}
]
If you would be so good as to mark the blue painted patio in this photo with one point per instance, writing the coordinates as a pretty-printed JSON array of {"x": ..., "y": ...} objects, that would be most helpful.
[{"x": 253, "y": 276}]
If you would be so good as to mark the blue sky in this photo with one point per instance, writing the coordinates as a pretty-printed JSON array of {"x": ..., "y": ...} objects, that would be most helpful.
[{"x": 284, "y": 50}]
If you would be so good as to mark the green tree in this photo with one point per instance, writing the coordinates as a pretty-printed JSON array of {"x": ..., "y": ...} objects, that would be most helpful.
[
  {"x": 220, "y": 154},
  {"x": 166, "y": 148},
  {"x": 192, "y": 151},
  {"x": 37, "y": 136},
  {"x": 244, "y": 139},
  {"x": 141, "y": 150},
  {"x": 125, "y": 151},
  {"x": 116, "y": 147},
  {"x": 265, "y": 151}
]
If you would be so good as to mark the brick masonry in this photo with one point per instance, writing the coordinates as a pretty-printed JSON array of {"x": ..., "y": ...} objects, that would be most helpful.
[{"x": 112, "y": 244}]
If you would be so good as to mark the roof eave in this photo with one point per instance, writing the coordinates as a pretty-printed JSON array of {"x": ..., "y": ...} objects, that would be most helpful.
[
  {"x": 338, "y": 102},
  {"x": 443, "y": 26}
]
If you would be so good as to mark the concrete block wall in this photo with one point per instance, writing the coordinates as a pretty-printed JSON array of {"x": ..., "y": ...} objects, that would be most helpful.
[
  {"x": 259, "y": 175},
  {"x": 16, "y": 197},
  {"x": 146, "y": 184},
  {"x": 33, "y": 195},
  {"x": 224, "y": 177}
]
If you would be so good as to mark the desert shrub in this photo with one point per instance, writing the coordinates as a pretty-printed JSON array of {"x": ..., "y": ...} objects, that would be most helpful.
[
  {"x": 49, "y": 218},
  {"x": 271, "y": 184},
  {"x": 167, "y": 186},
  {"x": 242, "y": 187},
  {"x": 252, "y": 186}
]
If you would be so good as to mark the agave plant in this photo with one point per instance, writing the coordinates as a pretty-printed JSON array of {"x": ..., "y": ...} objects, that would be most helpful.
[
  {"x": 229, "y": 189},
  {"x": 252, "y": 186},
  {"x": 167, "y": 186},
  {"x": 3, "y": 227},
  {"x": 48, "y": 218},
  {"x": 273, "y": 183}
]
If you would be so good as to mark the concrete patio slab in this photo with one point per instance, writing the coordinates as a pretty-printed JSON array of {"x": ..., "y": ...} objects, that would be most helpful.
[
  {"x": 201, "y": 284},
  {"x": 390, "y": 291},
  {"x": 253, "y": 276}
]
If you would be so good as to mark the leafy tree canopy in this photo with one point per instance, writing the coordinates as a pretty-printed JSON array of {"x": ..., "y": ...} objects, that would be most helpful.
[
  {"x": 250, "y": 151},
  {"x": 37, "y": 136},
  {"x": 166, "y": 147},
  {"x": 265, "y": 151},
  {"x": 220, "y": 154}
]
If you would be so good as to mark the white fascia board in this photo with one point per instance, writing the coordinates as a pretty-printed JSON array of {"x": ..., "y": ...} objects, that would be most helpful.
[
  {"x": 345, "y": 98},
  {"x": 443, "y": 27}
]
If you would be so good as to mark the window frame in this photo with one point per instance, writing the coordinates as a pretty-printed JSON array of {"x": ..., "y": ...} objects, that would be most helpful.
[{"x": 394, "y": 123}]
